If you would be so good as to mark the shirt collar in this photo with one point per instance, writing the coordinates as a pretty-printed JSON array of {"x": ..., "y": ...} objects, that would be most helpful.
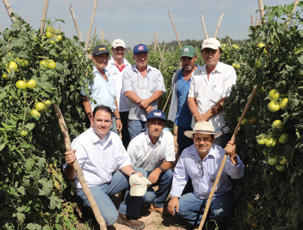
[
  {"x": 96, "y": 71},
  {"x": 149, "y": 141},
  {"x": 96, "y": 139},
  {"x": 134, "y": 68},
  {"x": 219, "y": 69}
]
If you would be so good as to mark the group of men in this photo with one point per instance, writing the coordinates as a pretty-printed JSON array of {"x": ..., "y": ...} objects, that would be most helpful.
[{"x": 124, "y": 99}]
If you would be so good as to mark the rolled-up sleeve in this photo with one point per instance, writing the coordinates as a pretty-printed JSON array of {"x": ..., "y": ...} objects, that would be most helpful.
[{"x": 126, "y": 81}]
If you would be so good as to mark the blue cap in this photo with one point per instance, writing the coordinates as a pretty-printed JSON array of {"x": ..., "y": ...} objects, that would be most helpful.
[
  {"x": 156, "y": 114},
  {"x": 140, "y": 48}
]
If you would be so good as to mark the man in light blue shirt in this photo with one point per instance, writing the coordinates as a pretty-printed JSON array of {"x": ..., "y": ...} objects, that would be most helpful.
[{"x": 201, "y": 162}]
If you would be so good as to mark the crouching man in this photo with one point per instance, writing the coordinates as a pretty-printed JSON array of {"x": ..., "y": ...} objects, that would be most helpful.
[
  {"x": 106, "y": 168},
  {"x": 201, "y": 162}
]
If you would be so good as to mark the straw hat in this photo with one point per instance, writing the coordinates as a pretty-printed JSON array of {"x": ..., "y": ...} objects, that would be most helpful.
[{"x": 202, "y": 127}]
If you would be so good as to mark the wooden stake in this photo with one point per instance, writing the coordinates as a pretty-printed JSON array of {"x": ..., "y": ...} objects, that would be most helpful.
[
  {"x": 225, "y": 158},
  {"x": 261, "y": 8},
  {"x": 293, "y": 10},
  {"x": 94, "y": 37},
  {"x": 252, "y": 20},
  {"x": 79, "y": 171},
  {"x": 204, "y": 27},
  {"x": 91, "y": 24},
  {"x": 75, "y": 23},
  {"x": 174, "y": 29},
  {"x": 42, "y": 24},
  {"x": 9, "y": 10},
  {"x": 256, "y": 23},
  {"x": 219, "y": 23},
  {"x": 102, "y": 36}
]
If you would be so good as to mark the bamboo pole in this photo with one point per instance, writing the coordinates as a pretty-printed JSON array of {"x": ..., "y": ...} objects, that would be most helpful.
[
  {"x": 156, "y": 38},
  {"x": 167, "y": 100},
  {"x": 78, "y": 169},
  {"x": 293, "y": 10},
  {"x": 91, "y": 24},
  {"x": 102, "y": 36},
  {"x": 261, "y": 8},
  {"x": 9, "y": 10},
  {"x": 94, "y": 37},
  {"x": 75, "y": 23},
  {"x": 252, "y": 20},
  {"x": 204, "y": 27},
  {"x": 44, "y": 13},
  {"x": 174, "y": 29},
  {"x": 256, "y": 23},
  {"x": 1, "y": 27},
  {"x": 219, "y": 23},
  {"x": 225, "y": 157}
]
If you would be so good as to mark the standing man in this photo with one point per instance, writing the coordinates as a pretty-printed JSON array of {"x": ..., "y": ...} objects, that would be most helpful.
[
  {"x": 102, "y": 88},
  {"x": 143, "y": 85},
  {"x": 154, "y": 151},
  {"x": 210, "y": 86},
  {"x": 178, "y": 110},
  {"x": 116, "y": 67},
  {"x": 106, "y": 168},
  {"x": 201, "y": 162}
]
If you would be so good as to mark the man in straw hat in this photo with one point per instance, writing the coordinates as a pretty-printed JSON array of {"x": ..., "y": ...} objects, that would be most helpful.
[{"x": 201, "y": 162}]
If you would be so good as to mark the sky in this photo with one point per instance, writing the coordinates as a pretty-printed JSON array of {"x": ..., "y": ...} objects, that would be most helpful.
[{"x": 136, "y": 21}]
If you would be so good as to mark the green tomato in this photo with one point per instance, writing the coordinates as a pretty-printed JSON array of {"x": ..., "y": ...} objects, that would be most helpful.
[
  {"x": 261, "y": 45},
  {"x": 273, "y": 106},
  {"x": 23, "y": 133},
  {"x": 48, "y": 34},
  {"x": 39, "y": 106},
  {"x": 21, "y": 84},
  {"x": 270, "y": 142},
  {"x": 258, "y": 64},
  {"x": 58, "y": 38},
  {"x": 274, "y": 95},
  {"x": 35, "y": 113},
  {"x": 24, "y": 64},
  {"x": 272, "y": 161},
  {"x": 283, "y": 139},
  {"x": 31, "y": 84},
  {"x": 47, "y": 103},
  {"x": 280, "y": 168},
  {"x": 284, "y": 103},
  {"x": 235, "y": 46},
  {"x": 283, "y": 160},
  {"x": 277, "y": 124},
  {"x": 51, "y": 64},
  {"x": 43, "y": 63},
  {"x": 260, "y": 141},
  {"x": 13, "y": 65},
  {"x": 236, "y": 65}
]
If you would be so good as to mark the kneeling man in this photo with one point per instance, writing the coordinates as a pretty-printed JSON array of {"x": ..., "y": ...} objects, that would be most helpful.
[{"x": 201, "y": 162}]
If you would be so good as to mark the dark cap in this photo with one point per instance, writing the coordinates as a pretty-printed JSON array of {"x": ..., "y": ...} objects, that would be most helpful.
[
  {"x": 100, "y": 49},
  {"x": 140, "y": 48},
  {"x": 156, "y": 114}
]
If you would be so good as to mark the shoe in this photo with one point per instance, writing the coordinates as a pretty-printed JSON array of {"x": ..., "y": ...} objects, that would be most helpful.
[
  {"x": 131, "y": 223},
  {"x": 154, "y": 208}
]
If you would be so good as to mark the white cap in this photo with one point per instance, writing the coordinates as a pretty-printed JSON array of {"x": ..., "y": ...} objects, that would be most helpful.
[
  {"x": 138, "y": 185},
  {"x": 211, "y": 43},
  {"x": 118, "y": 42}
]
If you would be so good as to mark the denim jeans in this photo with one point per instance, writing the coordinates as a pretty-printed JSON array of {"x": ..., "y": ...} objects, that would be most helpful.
[
  {"x": 135, "y": 127},
  {"x": 164, "y": 184},
  {"x": 102, "y": 194},
  {"x": 113, "y": 128},
  {"x": 191, "y": 209}
]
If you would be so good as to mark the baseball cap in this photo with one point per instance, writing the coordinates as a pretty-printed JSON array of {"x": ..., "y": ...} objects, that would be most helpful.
[
  {"x": 140, "y": 48},
  {"x": 211, "y": 43},
  {"x": 100, "y": 49},
  {"x": 187, "y": 51},
  {"x": 202, "y": 127},
  {"x": 156, "y": 114},
  {"x": 138, "y": 185},
  {"x": 118, "y": 42}
]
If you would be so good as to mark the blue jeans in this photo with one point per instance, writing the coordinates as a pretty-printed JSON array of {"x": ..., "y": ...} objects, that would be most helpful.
[
  {"x": 182, "y": 140},
  {"x": 135, "y": 127},
  {"x": 102, "y": 194},
  {"x": 164, "y": 184},
  {"x": 191, "y": 208},
  {"x": 113, "y": 128}
]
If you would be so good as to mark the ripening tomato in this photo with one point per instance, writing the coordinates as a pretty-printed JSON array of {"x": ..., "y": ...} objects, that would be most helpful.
[
  {"x": 270, "y": 142},
  {"x": 283, "y": 139},
  {"x": 35, "y": 113},
  {"x": 274, "y": 95},
  {"x": 23, "y": 133},
  {"x": 21, "y": 84},
  {"x": 277, "y": 124},
  {"x": 39, "y": 106},
  {"x": 13, "y": 65},
  {"x": 273, "y": 106},
  {"x": 272, "y": 161},
  {"x": 51, "y": 64},
  {"x": 43, "y": 63},
  {"x": 284, "y": 103},
  {"x": 31, "y": 84},
  {"x": 261, "y": 45},
  {"x": 47, "y": 103},
  {"x": 280, "y": 168},
  {"x": 283, "y": 160}
]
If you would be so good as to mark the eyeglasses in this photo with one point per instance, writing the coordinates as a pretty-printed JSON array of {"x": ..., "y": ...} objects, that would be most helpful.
[{"x": 200, "y": 166}]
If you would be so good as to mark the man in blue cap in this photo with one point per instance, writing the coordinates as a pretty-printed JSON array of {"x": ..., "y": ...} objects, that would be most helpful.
[
  {"x": 154, "y": 151},
  {"x": 143, "y": 85}
]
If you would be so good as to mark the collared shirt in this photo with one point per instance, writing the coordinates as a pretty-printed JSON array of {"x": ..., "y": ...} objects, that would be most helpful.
[
  {"x": 144, "y": 87},
  {"x": 116, "y": 74},
  {"x": 98, "y": 158},
  {"x": 102, "y": 91},
  {"x": 143, "y": 153},
  {"x": 208, "y": 92},
  {"x": 203, "y": 172}
]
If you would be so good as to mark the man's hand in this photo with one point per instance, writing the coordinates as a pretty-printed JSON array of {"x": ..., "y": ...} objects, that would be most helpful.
[
  {"x": 230, "y": 150},
  {"x": 119, "y": 125},
  {"x": 173, "y": 205},
  {"x": 154, "y": 175},
  {"x": 149, "y": 109},
  {"x": 70, "y": 157},
  {"x": 200, "y": 117},
  {"x": 144, "y": 104}
]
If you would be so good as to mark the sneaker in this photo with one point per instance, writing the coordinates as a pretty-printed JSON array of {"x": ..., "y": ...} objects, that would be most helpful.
[
  {"x": 154, "y": 208},
  {"x": 132, "y": 223}
]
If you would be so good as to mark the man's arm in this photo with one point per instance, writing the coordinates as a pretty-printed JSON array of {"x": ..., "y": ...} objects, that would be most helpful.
[
  {"x": 154, "y": 175},
  {"x": 88, "y": 109},
  {"x": 129, "y": 170},
  {"x": 133, "y": 97},
  {"x": 146, "y": 102},
  {"x": 69, "y": 170},
  {"x": 118, "y": 118}
]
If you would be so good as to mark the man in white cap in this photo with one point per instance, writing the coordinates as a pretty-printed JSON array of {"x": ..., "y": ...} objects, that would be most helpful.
[
  {"x": 209, "y": 88},
  {"x": 116, "y": 67},
  {"x": 201, "y": 162}
]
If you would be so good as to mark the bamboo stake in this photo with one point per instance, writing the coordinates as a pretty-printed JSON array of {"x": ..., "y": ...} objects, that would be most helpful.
[
  {"x": 225, "y": 157},
  {"x": 252, "y": 20},
  {"x": 102, "y": 36},
  {"x": 293, "y": 10},
  {"x": 204, "y": 27},
  {"x": 9, "y": 10},
  {"x": 167, "y": 101},
  {"x": 1, "y": 27},
  {"x": 94, "y": 37},
  {"x": 155, "y": 44},
  {"x": 91, "y": 24},
  {"x": 75, "y": 23},
  {"x": 256, "y": 23},
  {"x": 78, "y": 169},
  {"x": 42, "y": 24},
  {"x": 261, "y": 8},
  {"x": 219, "y": 23},
  {"x": 174, "y": 29}
]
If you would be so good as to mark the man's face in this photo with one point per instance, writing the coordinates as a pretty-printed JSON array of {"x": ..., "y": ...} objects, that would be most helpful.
[
  {"x": 141, "y": 60},
  {"x": 211, "y": 57},
  {"x": 101, "y": 61},
  {"x": 102, "y": 122},
  {"x": 188, "y": 63},
  {"x": 118, "y": 52},
  {"x": 155, "y": 127},
  {"x": 203, "y": 143}
]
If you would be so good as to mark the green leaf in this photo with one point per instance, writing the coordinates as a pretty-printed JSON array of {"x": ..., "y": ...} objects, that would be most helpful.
[
  {"x": 30, "y": 126},
  {"x": 33, "y": 226},
  {"x": 21, "y": 190},
  {"x": 2, "y": 146},
  {"x": 47, "y": 186}
]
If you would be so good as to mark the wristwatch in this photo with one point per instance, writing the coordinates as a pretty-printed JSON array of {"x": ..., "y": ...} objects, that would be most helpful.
[
  {"x": 118, "y": 118},
  {"x": 162, "y": 170}
]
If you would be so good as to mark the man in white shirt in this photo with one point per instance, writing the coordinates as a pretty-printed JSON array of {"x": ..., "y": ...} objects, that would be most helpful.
[
  {"x": 154, "y": 151},
  {"x": 210, "y": 86},
  {"x": 117, "y": 65},
  {"x": 106, "y": 168},
  {"x": 201, "y": 162}
]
